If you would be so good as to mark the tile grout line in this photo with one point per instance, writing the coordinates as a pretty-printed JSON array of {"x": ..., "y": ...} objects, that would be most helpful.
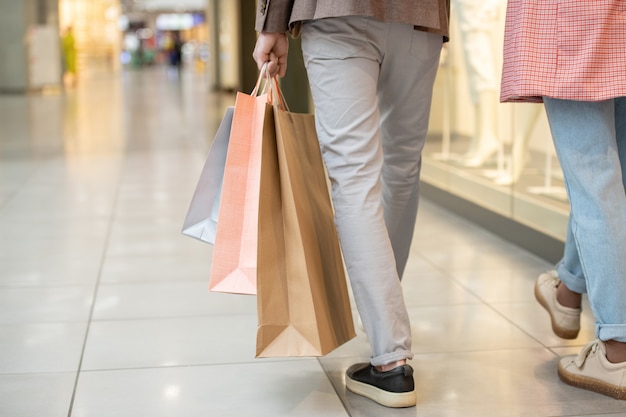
[
  {"x": 97, "y": 287},
  {"x": 335, "y": 388},
  {"x": 15, "y": 192},
  {"x": 485, "y": 303}
]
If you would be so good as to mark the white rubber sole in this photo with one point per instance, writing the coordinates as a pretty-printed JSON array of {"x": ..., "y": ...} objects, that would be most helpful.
[
  {"x": 388, "y": 399},
  {"x": 591, "y": 384}
]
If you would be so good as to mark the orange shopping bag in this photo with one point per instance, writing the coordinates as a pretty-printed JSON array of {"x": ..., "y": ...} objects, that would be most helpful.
[{"x": 234, "y": 264}]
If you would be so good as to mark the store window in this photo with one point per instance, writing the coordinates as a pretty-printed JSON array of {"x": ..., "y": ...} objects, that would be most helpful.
[{"x": 498, "y": 156}]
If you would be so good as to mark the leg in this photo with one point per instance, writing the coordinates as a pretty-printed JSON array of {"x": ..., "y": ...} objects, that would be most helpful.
[
  {"x": 569, "y": 268},
  {"x": 616, "y": 351},
  {"x": 587, "y": 147},
  {"x": 372, "y": 116},
  {"x": 589, "y": 138},
  {"x": 476, "y": 20},
  {"x": 404, "y": 102},
  {"x": 343, "y": 69},
  {"x": 570, "y": 273},
  {"x": 525, "y": 119}
]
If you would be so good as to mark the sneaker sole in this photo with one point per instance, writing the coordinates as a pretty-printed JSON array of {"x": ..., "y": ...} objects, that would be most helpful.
[
  {"x": 386, "y": 398},
  {"x": 591, "y": 384},
  {"x": 559, "y": 331}
]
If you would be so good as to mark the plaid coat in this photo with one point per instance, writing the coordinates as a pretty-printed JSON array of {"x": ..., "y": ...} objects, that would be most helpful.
[{"x": 567, "y": 49}]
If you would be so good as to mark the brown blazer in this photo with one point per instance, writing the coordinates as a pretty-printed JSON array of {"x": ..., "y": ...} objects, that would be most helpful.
[{"x": 286, "y": 15}]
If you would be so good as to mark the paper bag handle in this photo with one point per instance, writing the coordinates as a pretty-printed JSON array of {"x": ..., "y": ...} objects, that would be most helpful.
[{"x": 274, "y": 90}]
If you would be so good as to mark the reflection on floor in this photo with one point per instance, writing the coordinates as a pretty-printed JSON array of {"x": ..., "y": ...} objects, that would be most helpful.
[{"x": 104, "y": 309}]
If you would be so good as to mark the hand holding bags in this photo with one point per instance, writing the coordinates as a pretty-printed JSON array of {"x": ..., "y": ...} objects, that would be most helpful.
[{"x": 276, "y": 235}]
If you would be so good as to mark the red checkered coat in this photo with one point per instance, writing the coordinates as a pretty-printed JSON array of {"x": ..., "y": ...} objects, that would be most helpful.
[{"x": 567, "y": 49}]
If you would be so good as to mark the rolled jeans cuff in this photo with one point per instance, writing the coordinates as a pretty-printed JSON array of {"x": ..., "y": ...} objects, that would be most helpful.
[
  {"x": 571, "y": 281},
  {"x": 615, "y": 332}
]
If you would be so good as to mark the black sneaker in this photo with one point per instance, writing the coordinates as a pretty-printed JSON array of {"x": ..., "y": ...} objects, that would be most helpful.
[{"x": 394, "y": 388}]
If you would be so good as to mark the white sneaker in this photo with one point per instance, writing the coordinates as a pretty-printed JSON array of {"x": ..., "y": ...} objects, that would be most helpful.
[
  {"x": 565, "y": 320},
  {"x": 591, "y": 370}
]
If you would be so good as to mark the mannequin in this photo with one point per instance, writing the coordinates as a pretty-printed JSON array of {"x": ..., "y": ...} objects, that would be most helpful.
[
  {"x": 526, "y": 116},
  {"x": 476, "y": 19}
]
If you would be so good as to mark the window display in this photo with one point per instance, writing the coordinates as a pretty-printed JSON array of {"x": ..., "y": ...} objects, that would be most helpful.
[
  {"x": 497, "y": 156},
  {"x": 475, "y": 22}
]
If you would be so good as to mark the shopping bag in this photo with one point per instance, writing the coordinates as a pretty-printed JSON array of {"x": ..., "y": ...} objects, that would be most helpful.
[
  {"x": 201, "y": 219},
  {"x": 234, "y": 263},
  {"x": 302, "y": 297}
]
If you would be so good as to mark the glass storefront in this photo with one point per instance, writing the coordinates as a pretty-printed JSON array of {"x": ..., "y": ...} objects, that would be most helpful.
[{"x": 497, "y": 156}]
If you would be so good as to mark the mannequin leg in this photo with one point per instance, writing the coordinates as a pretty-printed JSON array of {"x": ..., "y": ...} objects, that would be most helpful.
[
  {"x": 485, "y": 142},
  {"x": 527, "y": 116}
]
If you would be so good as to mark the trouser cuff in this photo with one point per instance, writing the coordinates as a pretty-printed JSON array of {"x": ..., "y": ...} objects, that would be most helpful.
[
  {"x": 391, "y": 357},
  {"x": 571, "y": 281},
  {"x": 615, "y": 332}
]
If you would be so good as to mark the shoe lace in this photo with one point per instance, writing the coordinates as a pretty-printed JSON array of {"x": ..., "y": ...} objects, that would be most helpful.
[
  {"x": 589, "y": 348},
  {"x": 553, "y": 281}
]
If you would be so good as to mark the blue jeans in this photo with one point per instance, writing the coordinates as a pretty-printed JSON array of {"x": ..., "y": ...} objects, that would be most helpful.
[
  {"x": 590, "y": 141},
  {"x": 569, "y": 269}
]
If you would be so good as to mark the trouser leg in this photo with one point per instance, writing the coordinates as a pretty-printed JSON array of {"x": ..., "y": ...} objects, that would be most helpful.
[
  {"x": 343, "y": 58},
  {"x": 405, "y": 102},
  {"x": 569, "y": 269},
  {"x": 589, "y": 139}
]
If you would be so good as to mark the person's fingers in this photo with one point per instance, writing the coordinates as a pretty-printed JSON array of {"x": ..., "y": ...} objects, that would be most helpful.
[
  {"x": 281, "y": 49},
  {"x": 264, "y": 45},
  {"x": 276, "y": 66},
  {"x": 272, "y": 48},
  {"x": 260, "y": 53},
  {"x": 282, "y": 66},
  {"x": 272, "y": 66}
]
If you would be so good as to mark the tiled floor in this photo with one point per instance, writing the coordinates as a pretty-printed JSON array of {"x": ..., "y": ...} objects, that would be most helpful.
[{"x": 104, "y": 309}]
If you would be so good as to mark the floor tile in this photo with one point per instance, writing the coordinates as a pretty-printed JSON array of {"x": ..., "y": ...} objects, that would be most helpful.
[
  {"x": 424, "y": 287},
  {"x": 41, "y": 347},
  {"x": 38, "y": 305},
  {"x": 36, "y": 395},
  {"x": 170, "y": 342},
  {"x": 49, "y": 270},
  {"x": 477, "y": 257},
  {"x": 178, "y": 266},
  {"x": 506, "y": 383},
  {"x": 464, "y": 328},
  {"x": 167, "y": 299},
  {"x": 499, "y": 285},
  {"x": 262, "y": 389},
  {"x": 535, "y": 321}
]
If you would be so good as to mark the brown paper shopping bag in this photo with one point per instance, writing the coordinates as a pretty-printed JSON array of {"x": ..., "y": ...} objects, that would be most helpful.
[
  {"x": 234, "y": 264},
  {"x": 201, "y": 219},
  {"x": 302, "y": 297}
]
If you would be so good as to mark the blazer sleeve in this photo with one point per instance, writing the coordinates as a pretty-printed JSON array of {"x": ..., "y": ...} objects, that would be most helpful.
[{"x": 273, "y": 15}]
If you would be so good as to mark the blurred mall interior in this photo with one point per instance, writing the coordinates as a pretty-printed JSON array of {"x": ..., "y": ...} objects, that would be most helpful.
[
  {"x": 508, "y": 188},
  {"x": 107, "y": 111},
  {"x": 117, "y": 34}
]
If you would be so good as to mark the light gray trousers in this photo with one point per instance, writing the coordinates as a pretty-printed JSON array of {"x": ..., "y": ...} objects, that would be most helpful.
[{"x": 371, "y": 84}]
